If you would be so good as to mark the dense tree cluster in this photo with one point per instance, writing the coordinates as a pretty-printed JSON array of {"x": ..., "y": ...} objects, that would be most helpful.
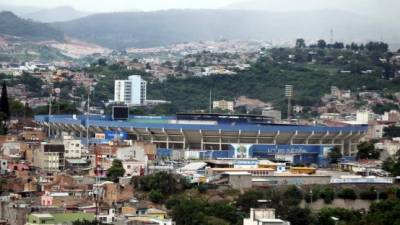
[
  {"x": 366, "y": 150},
  {"x": 392, "y": 165},
  {"x": 391, "y": 131},
  {"x": 160, "y": 185}
]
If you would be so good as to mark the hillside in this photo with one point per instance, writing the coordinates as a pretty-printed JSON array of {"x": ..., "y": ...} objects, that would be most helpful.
[
  {"x": 312, "y": 77},
  {"x": 12, "y": 25},
  {"x": 145, "y": 29},
  {"x": 55, "y": 15}
]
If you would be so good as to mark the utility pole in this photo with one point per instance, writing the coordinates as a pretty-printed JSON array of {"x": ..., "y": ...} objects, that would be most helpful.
[{"x": 289, "y": 95}]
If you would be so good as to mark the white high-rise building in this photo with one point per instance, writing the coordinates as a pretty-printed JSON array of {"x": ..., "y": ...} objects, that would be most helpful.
[{"x": 131, "y": 91}]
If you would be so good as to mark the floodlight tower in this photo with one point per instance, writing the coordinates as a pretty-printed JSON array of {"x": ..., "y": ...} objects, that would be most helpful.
[
  {"x": 289, "y": 95},
  {"x": 50, "y": 105}
]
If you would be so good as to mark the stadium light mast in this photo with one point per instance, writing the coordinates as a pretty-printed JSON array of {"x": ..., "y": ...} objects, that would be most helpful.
[
  {"x": 88, "y": 115},
  {"x": 50, "y": 100},
  {"x": 289, "y": 95}
]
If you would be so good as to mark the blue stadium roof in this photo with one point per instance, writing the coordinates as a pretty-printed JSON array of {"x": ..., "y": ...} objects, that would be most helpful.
[{"x": 161, "y": 122}]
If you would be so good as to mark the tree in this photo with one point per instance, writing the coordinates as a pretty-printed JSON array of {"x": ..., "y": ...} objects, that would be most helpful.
[
  {"x": 391, "y": 132},
  {"x": 327, "y": 194},
  {"x": 102, "y": 62},
  {"x": 4, "y": 109},
  {"x": 344, "y": 215},
  {"x": 115, "y": 171},
  {"x": 148, "y": 66},
  {"x": 300, "y": 43},
  {"x": 189, "y": 212},
  {"x": 335, "y": 154},
  {"x": 166, "y": 183},
  {"x": 377, "y": 46},
  {"x": 4, "y": 105},
  {"x": 299, "y": 216},
  {"x": 249, "y": 200},
  {"x": 366, "y": 150},
  {"x": 347, "y": 193},
  {"x": 321, "y": 44},
  {"x": 382, "y": 108},
  {"x": 370, "y": 194},
  {"x": 338, "y": 45},
  {"x": 392, "y": 165},
  {"x": 293, "y": 196},
  {"x": 156, "y": 196}
]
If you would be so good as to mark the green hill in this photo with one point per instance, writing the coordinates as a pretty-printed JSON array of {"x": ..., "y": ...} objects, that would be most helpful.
[
  {"x": 266, "y": 79},
  {"x": 28, "y": 30},
  {"x": 144, "y": 29}
]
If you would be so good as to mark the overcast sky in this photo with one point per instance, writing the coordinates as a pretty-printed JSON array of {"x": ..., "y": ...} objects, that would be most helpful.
[{"x": 121, "y": 5}]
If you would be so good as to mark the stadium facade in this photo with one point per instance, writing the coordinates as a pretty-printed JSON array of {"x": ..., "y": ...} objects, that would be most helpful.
[{"x": 219, "y": 136}]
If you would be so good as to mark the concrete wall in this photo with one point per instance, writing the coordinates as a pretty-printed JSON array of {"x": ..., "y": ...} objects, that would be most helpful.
[
  {"x": 240, "y": 181},
  {"x": 290, "y": 180},
  {"x": 357, "y": 204}
]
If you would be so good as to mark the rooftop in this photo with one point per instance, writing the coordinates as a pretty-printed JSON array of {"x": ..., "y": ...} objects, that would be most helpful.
[{"x": 192, "y": 123}]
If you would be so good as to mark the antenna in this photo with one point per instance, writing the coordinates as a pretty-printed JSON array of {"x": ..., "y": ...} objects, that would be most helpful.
[{"x": 331, "y": 36}]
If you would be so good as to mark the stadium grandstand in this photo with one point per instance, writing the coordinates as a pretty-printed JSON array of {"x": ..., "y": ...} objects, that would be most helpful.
[{"x": 217, "y": 135}]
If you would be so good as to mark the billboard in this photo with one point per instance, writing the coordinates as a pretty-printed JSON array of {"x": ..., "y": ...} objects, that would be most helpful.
[
  {"x": 115, "y": 135},
  {"x": 120, "y": 112},
  {"x": 300, "y": 154},
  {"x": 241, "y": 150}
]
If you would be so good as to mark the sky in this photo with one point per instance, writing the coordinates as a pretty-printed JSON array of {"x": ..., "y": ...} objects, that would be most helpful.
[{"x": 121, "y": 5}]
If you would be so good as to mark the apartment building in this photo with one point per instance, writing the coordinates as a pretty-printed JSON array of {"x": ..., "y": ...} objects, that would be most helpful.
[
  {"x": 50, "y": 157},
  {"x": 131, "y": 91}
]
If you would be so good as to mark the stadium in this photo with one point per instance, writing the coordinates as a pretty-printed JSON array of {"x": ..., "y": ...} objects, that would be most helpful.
[{"x": 217, "y": 136}]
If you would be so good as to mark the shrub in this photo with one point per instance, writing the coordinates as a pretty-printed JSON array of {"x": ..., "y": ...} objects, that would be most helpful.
[
  {"x": 248, "y": 200},
  {"x": 308, "y": 197},
  {"x": 347, "y": 193},
  {"x": 293, "y": 196},
  {"x": 156, "y": 196},
  {"x": 383, "y": 195},
  {"x": 327, "y": 194},
  {"x": 398, "y": 193},
  {"x": 370, "y": 194}
]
